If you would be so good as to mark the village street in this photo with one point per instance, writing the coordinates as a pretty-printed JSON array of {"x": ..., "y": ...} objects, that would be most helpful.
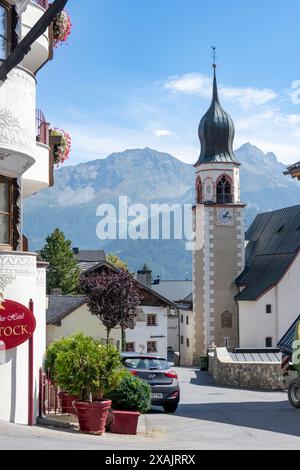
[{"x": 209, "y": 417}]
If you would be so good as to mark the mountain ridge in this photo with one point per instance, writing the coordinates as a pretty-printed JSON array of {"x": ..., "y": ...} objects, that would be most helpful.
[{"x": 145, "y": 176}]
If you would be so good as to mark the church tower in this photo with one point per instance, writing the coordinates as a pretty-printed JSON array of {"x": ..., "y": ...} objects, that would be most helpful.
[{"x": 219, "y": 225}]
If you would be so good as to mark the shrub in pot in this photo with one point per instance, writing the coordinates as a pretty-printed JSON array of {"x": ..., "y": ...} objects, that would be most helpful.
[
  {"x": 130, "y": 397},
  {"x": 66, "y": 400},
  {"x": 82, "y": 369}
]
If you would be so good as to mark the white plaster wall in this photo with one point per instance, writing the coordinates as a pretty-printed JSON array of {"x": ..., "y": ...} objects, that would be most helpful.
[
  {"x": 256, "y": 325},
  {"x": 80, "y": 321},
  {"x": 37, "y": 177},
  {"x": 143, "y": 333},
  {"x": 17, "y": 122},
  {"x": 173, "y": 333},
  {"x": 18, "y": 282},
  {"x": 187, "y": 331},
  {"x": 40, "y": 49},
  {"x": 40, "y": 333}
]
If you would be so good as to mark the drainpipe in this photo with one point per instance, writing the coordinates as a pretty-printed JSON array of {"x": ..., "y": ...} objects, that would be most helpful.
[
  {"x": 277, "y": 315},
  {"x": 179, "y": 335},
  {"x": 30, "y": 374}
]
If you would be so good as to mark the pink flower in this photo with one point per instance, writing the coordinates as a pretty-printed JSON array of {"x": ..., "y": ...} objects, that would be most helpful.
[
  {"x": 62, "y": 152},
  {"x": 61, "y": 28}
]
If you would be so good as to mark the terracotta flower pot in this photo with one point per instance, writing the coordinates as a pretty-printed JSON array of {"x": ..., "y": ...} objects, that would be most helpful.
[
  {"x": 92, "y": 416},
  {"x": 66, "y": 403},
  {"x": 125, "y": 422}
]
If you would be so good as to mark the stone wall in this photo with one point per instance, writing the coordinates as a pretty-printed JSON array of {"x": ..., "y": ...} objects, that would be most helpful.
[{"x": 253, "y": 375}]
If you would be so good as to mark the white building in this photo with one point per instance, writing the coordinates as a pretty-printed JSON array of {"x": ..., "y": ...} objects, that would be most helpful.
[
  {"x": 67, "y": 315},
  {"x": 181, "y": 324},
  {"x": 268, "y": 300},
  {"x": 26, "y": 166}
]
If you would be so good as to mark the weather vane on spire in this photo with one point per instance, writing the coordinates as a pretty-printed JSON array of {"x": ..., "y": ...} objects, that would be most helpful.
[{"x": 214, "y": 56}]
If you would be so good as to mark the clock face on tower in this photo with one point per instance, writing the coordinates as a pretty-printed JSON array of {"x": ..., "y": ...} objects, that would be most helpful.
[{"x": 225, "y": 217}]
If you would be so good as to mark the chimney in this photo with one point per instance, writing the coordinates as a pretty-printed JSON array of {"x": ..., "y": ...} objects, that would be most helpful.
[
  {"x": 145, "y": 277},
  {"x": 56, "y": 292},
  {"x": 157, "y": 281},
  {"x": 76, "y": 251}
]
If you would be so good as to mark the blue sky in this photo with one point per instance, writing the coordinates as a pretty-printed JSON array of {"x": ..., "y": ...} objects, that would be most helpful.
[{"x": 137, "y": 73}]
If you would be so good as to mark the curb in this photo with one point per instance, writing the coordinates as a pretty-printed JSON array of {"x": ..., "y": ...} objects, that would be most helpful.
[{"x": 52, "y": 423}]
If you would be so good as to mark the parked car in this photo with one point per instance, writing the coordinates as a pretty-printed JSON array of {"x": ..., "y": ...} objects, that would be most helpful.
[{"x": 157, "y": 373}]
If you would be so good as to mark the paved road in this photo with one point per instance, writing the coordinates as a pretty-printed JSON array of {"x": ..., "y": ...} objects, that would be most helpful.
[{"x": 209, "y": 417}]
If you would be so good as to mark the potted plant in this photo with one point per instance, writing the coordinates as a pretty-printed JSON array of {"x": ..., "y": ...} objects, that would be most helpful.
[
  {"x": 81, "y": 370},
  {"x": 66, "y": 400},
  {"x": 131, "y": 397},
  {"x": 62, "y": 26},
  {"x": 61, "y": 151}
]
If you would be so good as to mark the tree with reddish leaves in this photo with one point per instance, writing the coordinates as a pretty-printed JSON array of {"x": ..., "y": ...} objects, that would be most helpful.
[{"x": 114, "y": 298}]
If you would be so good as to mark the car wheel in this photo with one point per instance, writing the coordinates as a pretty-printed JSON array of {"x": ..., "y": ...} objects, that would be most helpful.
[
  {"x": 170, "y": 408},
  {"x": 294, "y": 393}
]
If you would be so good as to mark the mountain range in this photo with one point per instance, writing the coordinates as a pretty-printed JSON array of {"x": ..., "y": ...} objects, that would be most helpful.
[{"x": 145, "y": 176}]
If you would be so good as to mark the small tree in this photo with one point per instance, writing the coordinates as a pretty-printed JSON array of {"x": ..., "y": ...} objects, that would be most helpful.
[
  {"x": 63, "y": 271},
  {"x": 113, "y": 298},
  {"x": 82, "y": 367},
  {"x": 117, "y": 262}
]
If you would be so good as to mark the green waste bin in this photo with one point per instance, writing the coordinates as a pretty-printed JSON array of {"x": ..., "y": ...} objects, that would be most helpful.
[{"x": 204, "y": 363}]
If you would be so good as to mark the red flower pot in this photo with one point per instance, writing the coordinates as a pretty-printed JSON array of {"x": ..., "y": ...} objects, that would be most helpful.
[
  {"x": 125, "y": 422},
  {"x": 92, "y": 416},
  {"x": 66, "y": 403}
]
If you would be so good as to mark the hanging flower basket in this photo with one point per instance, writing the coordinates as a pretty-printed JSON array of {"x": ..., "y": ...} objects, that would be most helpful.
[
  {"x": 61, "y": 151},
  {"x": 61, "y": 28}
]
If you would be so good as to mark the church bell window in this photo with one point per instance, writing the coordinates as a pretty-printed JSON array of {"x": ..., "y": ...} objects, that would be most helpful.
[{"x": 224, "y": 191}]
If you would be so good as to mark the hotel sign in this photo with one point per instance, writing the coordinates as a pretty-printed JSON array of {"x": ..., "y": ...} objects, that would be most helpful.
[{"x": 17, "y": 325}]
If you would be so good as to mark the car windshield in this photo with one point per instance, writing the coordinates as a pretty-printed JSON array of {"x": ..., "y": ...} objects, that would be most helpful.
[{"x": 142, "y": 363}]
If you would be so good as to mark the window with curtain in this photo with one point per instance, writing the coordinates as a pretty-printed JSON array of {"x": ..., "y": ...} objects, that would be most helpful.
[
  {"x": 5, "y": 211},
  {"x": 3, "y": 32}
]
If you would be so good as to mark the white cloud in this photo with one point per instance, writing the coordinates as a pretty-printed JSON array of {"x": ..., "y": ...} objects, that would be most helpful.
[
  {"x": 165, "y": 117},
  {"x": 202, "y": 85},
  {"x": 190, "y": 83},
  {"x": 163, "y": 133}
]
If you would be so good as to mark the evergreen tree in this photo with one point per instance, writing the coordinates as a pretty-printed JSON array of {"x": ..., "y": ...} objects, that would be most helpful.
[{"x": 63, "y": 272}]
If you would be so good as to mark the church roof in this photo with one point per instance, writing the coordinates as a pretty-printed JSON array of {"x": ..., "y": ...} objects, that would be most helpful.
[
  {"x": 216, "y": 132},
  {"x": 274, "y": 243}
]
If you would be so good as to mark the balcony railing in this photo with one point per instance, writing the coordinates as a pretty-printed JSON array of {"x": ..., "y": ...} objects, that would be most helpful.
[
  {"x": 41, "y": 128},
  {"x": 42, "y": 3}
]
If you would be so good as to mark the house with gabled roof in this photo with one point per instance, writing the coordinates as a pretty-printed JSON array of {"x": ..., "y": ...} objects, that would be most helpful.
[
  {"x": 67, "y": 315},
  {"x": 268, "y": 298}
]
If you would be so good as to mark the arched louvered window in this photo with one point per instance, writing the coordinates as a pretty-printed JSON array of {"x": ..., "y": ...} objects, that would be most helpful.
[{"x": 224, "y": 191}]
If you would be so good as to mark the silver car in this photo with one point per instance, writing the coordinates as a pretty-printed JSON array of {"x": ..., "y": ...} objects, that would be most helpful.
[{"x": 157, "y": 372}]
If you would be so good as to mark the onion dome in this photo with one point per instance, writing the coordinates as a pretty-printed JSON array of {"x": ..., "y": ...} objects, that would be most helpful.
[{"x": 216, "y": 132}]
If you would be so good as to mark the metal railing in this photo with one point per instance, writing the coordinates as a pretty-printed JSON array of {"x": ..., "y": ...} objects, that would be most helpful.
[
  {"x": 41, "y": 128},
  {"x": 42, "y": 3}
]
